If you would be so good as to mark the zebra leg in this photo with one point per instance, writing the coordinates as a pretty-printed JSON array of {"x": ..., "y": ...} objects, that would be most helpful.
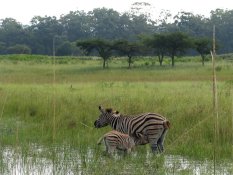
[
  {"x": 128, "y": 150},
  {"x": 154, "y": 143},
  {"x": 106, "y": 144},
  {"x": 154, "y": 147},
  {"x": 160, "y": 146},
  {"x": 161, "y": 140},
  {"x": 153, "y": 139},
  {"x": 111, "y": 149}
]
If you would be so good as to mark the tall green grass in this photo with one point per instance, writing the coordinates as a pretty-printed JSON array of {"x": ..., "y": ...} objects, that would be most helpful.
[
  {"x": 188, "y": 105},
  {"x": 183, "y": 94},
  {"x": 86, "y": 70}
]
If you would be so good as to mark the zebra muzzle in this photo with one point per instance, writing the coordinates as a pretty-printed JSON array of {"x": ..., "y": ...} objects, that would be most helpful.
[{"x": 96, "y": 124}]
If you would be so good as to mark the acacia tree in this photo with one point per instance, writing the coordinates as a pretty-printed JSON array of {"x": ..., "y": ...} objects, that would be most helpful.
[
  {"x": 203, "y": 46},
  {"x": 103, "y": 47},
  {"x": 127, "y": 48},
  {"x": 158, "y": 43},
  {"x": 177, "y": 43}
]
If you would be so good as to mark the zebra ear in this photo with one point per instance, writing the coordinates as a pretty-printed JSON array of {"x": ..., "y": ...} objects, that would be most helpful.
[
  {"x": 101, "y": 109},
  {"x": 117, "y": 112}
]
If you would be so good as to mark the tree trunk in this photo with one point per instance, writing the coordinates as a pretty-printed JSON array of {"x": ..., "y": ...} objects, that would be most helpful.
[
  {"x": 104, "y": 63},
  {"x": 161, "y": 60},
  {"x": 129, "y": 62},
  {"x": 173, "y": 60},
  {"x": 203, "y": 60}
]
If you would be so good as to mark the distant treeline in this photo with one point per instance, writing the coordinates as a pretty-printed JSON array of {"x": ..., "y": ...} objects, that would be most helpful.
[{"x": 45, "y": 32}]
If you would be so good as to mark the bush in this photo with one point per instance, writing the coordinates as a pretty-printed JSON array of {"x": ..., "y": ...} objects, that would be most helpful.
[{"x": 19, "y": 49}]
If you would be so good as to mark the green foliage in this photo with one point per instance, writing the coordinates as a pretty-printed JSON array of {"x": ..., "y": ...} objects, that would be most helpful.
[
  {"x": 77, "y": 25},
  {"x": 19, "y": 49},
  {"x": 177, "y": 43},
  {"x": 223, "y": 19},
  {"x": 203, "y": 47},
  {"x": 194, "y": 25},
  {"x": 157, "y": 42},
  {"x": 64, "y": 49},
  {"x": 44, "y": 31},
  {"x": 3, "y": 48},
  {"x": 103, "y": 47},
  {"x": 111, "y": 25},
  {"x": 128, "y": 49},
  {"x": 171, "y": 44}
]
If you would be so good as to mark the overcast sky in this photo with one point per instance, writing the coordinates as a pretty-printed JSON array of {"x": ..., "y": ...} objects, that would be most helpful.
[{"x": 24, "y": 10}]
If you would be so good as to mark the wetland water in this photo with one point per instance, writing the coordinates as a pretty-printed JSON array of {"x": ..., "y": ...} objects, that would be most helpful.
[{"x": 41, "y": 160}]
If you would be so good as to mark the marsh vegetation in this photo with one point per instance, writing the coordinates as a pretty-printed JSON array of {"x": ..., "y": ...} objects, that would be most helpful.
[{"x": 47, "y": 126}]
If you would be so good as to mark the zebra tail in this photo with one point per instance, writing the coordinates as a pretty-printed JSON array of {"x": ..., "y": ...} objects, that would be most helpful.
[
  {"x": 100, "y": 140},
  {"x": 166, "y": 124}
]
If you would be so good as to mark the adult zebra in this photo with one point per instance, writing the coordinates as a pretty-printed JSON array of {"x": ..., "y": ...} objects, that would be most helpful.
[{"x": 148, "y": 126}]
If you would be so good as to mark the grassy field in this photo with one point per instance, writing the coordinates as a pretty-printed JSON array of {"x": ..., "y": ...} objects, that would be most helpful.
[{"x": 36, "y": 110}]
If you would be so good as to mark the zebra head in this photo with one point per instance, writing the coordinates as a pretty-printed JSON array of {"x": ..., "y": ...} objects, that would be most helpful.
[{"x": 104, "y": 118}]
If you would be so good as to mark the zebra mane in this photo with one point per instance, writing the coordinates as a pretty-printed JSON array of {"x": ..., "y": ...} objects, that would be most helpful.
[
  {"x": 126, "y": 115},
  {"x": 109, "y": 110}
]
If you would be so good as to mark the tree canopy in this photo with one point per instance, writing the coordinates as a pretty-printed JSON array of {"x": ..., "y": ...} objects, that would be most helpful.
[
  {"x": 109, "y": 24},
  {"x": 103, "y": 48},
  {"x": 203, "y": 47},
  {"x": 126, "y": 48}
]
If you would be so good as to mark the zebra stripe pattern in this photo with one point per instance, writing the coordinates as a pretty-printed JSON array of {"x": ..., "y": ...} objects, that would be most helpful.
[
  {"x": 115, "y": 140},
  {"x": 144, "y": 128}
]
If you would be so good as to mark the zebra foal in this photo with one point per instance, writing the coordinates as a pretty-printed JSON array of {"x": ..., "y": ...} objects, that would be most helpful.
[
  {"x": 115, "y": 140},
  {"x": 143, "y": 128}
]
